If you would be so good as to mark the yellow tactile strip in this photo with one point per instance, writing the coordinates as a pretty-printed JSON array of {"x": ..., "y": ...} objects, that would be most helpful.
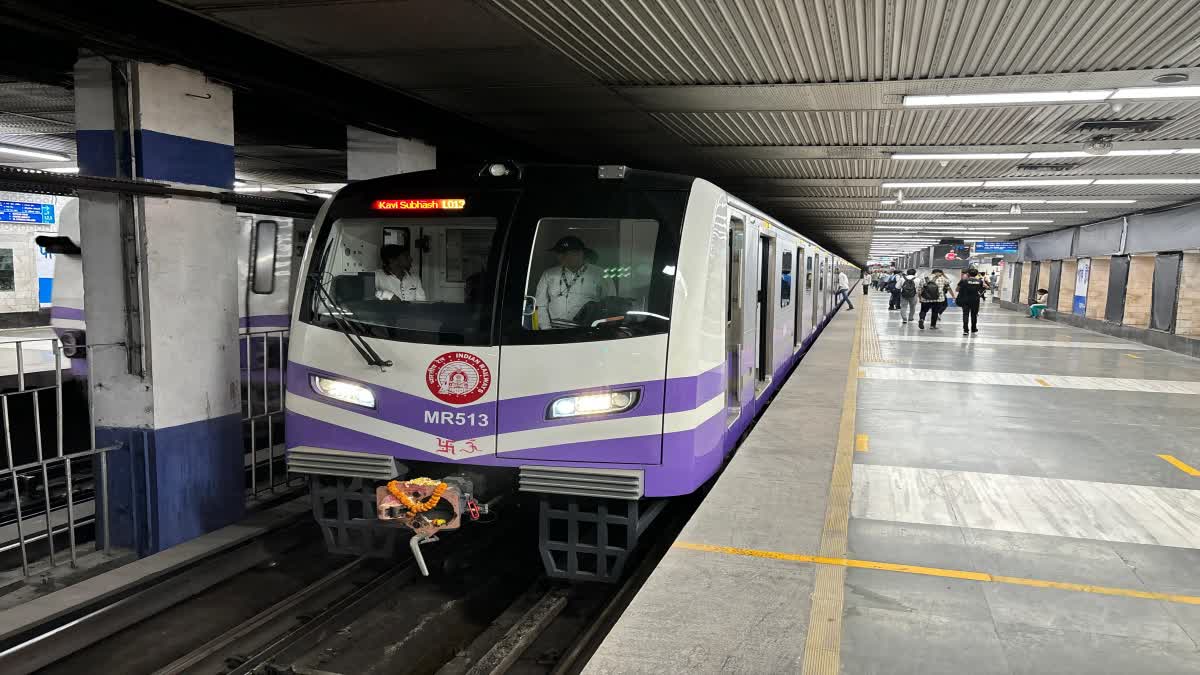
[
  {"x": 823, "y": 645},
  {"x": 828, "y": 563},
  {"x": 872, "y": 351}
]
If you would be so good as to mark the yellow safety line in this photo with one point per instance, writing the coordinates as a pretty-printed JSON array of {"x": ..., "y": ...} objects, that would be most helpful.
[
  {"x": 862, "y": 443},
  {"x": 942, "y": 572},
  {"x": 1133, "y": 356},
  {"x": 823, "y": 644},
  {"x": 1179, "y": 464},
  {"x": 1041, "y": 382}
]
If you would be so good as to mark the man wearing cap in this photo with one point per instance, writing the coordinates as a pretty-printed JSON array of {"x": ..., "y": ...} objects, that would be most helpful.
[{"x": 564, "y": 289}]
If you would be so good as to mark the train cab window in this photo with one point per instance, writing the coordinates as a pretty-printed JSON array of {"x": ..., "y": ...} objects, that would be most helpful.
[
  {"x": 586, "y": 273},
  {"x": 785, "y": 281},
  {"x": 431, "y": 280},
  {"x": 808, "y": 278}
]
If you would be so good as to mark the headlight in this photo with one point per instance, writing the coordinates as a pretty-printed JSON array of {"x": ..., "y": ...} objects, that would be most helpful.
[
  {"x": 592, "y": 404},
  {"x": 346, "y": 392}
]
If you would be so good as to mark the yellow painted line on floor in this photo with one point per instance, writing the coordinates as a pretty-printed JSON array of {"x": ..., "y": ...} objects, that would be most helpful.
[
  {"x": 823, "y": 643},
  {"x": 1180, "y": 464},
  {"x": 862, "y": 443},
  {"x": 1133, "y": 356},
  {"x": 965, "y": 575},
  {"x": 1041, "y": 382}
]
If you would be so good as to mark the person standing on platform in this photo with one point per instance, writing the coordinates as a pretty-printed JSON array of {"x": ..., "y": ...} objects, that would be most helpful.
[
  {"x": 843, "y": 289},
  {"x": 908, "y": 296},
  {"x": 933, "y": 297},
  {"x": 893, "y": 291},
  {"x": 970, "y": 293}
]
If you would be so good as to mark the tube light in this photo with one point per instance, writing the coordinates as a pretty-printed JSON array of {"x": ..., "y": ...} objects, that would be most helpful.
[
  {"x": 950, "y": 184},
  {"x": 1141, "y": 153},
  {"x": 964, "y": 155},
  {"x": 1147, "y": 181},
  {"x": 63, "y": 169},
  {"x": 1009, "y": 97},
  {"x": 1089, "y": 201},
  {"x": 1053, "y": 154},
  {"x": 1038, "y": 182},
  {"x": 21, "y": 151},
  {"x": 1188, "y": 91}
]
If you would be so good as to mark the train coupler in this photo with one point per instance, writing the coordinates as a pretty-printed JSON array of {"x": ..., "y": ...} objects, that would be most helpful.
[{"x": 427, "y": 506}]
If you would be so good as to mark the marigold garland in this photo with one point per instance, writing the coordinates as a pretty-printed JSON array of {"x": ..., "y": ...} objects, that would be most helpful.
[{"x": 417, "y": 507}]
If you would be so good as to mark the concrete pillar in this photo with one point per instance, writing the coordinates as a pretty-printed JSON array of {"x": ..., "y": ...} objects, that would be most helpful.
[
  {"x": 1139, "y": 291},
  {"x": 160, "y": 297},
  {"x": 1187, "y": 317},
  {"x": 1066, "y": 286},
  {"x": 1097, "y": 295},
  {"x": 1026, "y": 272},
  {"x": 371, "y": 155}
]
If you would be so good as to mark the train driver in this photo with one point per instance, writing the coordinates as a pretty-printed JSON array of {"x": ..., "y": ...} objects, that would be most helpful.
[
  {"x": 395, "y": 279},
  {"x": 564, "y": 289}
]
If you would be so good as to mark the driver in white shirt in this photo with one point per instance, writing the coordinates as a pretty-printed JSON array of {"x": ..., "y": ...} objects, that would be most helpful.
[
  {"x": 395, "y": 281},
  {"x": 565, "y": 288}
]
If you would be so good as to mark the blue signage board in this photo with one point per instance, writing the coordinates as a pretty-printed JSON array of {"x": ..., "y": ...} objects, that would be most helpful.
[
  {"x": 995, "y": 247},
  {"x": 26, "y": 212}
]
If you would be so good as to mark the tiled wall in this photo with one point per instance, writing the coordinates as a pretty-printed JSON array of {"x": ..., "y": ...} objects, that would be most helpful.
[
  {"x": 1066, "y": 285},
  {"x": 1139, "y": 291},
  {"x": 24, "y": 296},
  {"x": 1187, "y": 321},
  {"x": 1026, "y": 271},
  {"x": 1097, "y": 296}
]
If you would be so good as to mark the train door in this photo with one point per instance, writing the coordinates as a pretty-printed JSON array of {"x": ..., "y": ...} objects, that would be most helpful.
[
  {"x": 734, "y": 302},
  {"x": 264, "y": 273},
  {"x": 810, "y": 289},
  {"x": 800, "y": 294},
  {"x": 763, "y": 311},
  {"x": 821, "y": 288}
]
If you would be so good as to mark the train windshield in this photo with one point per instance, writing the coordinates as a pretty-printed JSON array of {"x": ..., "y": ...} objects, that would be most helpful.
[{"x": 419, "y": 279}]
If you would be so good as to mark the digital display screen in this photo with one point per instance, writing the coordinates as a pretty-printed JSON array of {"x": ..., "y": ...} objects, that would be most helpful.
[
  {"x": 419, "y": 204},
  {"x": 26, "y": 212},
  {"x": 996, "y": 247}
]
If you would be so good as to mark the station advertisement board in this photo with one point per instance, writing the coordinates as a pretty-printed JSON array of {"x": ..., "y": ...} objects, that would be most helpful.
[
  {"x": 26, "y": 212},
  {"x": 982, "y": 247},
  {"x": 951, "y": 256},
  {"x": 1083, "y": 273}
]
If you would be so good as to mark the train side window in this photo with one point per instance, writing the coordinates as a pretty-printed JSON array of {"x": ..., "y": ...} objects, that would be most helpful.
[
  {"x": 262, "y": 271},
  {"x": 785, "y": 281},
  {"x": 808, "y": 279},
  {"x": 588, "y": 272}
]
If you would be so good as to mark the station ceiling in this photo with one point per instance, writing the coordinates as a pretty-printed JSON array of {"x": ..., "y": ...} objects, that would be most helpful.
[{"x": 797, "y": 106}]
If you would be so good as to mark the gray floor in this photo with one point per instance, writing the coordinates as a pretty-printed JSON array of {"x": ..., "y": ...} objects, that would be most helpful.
[
  {"x": 1030, "y": 455},
  {"x": 1037, "y": 482}
]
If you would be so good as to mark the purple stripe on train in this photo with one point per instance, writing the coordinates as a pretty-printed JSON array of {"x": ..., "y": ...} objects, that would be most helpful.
[
  {"x": 265, "y": 321},
  {"x": 66, "y": 313}
]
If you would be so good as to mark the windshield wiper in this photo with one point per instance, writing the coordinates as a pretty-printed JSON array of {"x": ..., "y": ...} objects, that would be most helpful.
[{"x": 348, "y": 328}]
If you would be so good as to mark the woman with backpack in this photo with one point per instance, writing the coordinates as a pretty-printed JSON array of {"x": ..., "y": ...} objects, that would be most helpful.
[
  {"x": 933, "y": 297},
  {"x": 908, "y": 295}
]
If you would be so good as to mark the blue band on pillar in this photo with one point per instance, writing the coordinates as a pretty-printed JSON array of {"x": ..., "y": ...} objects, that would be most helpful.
[{"x": 184, "y": 160}]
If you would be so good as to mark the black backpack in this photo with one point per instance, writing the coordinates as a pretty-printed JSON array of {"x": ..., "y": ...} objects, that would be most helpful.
[
  {"x": 909, "y": 289},
  {"x": 930, "y": 292}
]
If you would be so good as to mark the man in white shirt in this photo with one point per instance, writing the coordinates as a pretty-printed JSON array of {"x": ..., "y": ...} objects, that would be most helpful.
[
  {"x": 843, "y": 289},
  {"x": 395, "y": 281},
  {"x": 564, "y": 289}
]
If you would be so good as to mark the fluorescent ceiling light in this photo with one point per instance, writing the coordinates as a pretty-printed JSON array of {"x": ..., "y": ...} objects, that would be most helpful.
[
  {"x": 256, "y": 188},
  {"x": 958, "y": 220},
  {"x": 63, "y": 169},
  {"x": 1188, "y": 91},
  {"x": 1088, "y": 201},
  {"x": 1147, "y": 181},
  {"x": 1141, "y": 153},
  {"x": 963, "y": 155},
  {"x": 949, "y": 184},
  {"x": 1051, "y": 154},
  {"x": 1009, "y": 97},
  {"x": 21, "y": 151},
  {"x": 1038, "y": 182}
]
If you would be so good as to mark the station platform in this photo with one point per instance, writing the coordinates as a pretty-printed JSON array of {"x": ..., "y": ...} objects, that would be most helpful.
[{"x": 1026, "y": 500}]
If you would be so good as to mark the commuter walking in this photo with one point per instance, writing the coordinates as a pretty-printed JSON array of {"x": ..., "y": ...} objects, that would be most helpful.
[
  {"x": 1039, "y": 304},
  {"x": 970, "y": 293},
  {"x": 893, "y": 291},
  {"x": 934, "y": 290},
  {"x": 908, "y": 296},
  {"x": 843, "y": 289}
]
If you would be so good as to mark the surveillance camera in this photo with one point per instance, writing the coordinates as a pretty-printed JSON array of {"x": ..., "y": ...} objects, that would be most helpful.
[{"x": 1097, "y": 147}]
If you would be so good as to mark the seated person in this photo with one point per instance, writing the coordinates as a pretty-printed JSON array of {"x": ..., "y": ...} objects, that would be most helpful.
[
  {"x": 564, "y": 289},
  {"x": 395, "y": 281}
]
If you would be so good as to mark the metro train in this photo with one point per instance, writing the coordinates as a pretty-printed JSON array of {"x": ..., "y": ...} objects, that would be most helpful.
[{"x": 598, "y": 336}]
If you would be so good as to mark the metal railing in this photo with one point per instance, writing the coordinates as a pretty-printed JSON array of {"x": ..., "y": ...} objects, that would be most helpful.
[
  {"x": 46, "y": 493},
  {"x": 264, "y": 385}
]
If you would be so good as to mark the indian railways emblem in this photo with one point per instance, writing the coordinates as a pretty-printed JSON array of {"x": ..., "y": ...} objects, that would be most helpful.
[{"x": 458, "y": 378}]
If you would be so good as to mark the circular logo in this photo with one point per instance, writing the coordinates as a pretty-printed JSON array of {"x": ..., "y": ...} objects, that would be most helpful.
[{"x": 458, "y": 378}]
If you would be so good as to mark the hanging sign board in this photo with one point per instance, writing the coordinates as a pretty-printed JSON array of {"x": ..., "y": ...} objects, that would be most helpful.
[
  {"x": 1082, "y": 275},
  {"x": 26, "y": 212}
]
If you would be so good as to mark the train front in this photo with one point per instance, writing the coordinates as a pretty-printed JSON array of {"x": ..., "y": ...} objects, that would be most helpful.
[{"x": 462, "y": 335}]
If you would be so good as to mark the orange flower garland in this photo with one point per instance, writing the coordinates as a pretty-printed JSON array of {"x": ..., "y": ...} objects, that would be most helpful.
[{"x": 417, "y": 507}]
